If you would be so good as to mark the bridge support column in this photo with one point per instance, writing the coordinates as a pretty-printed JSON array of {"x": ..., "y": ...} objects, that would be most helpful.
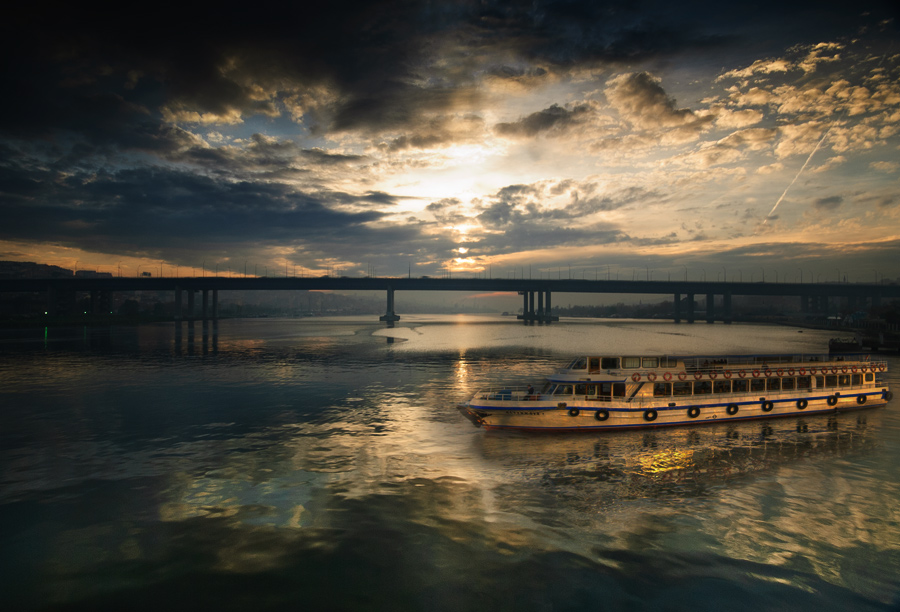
[
  {"x": 204, "y": 306},
  {"x": 177, "y": 303},
  {"x": 215, "y": 305},
  {"x": 690, "y": 307},
  {"x": 676, "y": 307},
  {"x": 540, "y": 308},
  {"x": 190, "y": 308},
  {"x": 710, "y": 308},
  {"x": 727, "y": 316},
  {"x": 389, "y": 316}
]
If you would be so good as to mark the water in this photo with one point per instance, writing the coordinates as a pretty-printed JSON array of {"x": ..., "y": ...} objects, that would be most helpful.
[{"x": 321, "y": 464}]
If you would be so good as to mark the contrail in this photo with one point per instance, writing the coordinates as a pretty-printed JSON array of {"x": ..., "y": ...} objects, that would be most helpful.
[{"x": 806, "y": 163}]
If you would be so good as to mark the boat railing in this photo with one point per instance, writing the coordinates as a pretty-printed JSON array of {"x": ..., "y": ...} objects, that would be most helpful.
[{"x": 509, "y": 393}]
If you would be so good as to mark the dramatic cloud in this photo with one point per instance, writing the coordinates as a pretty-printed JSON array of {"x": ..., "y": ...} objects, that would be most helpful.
[{"x": 400, "y": 130}]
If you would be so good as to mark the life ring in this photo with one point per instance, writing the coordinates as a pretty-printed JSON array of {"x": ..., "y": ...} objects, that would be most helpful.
[
  {"x": 767, "y": 406},
  {"x": 860, "y": 399},
  {"x": 863, "y": 368},
  {"x": 651, "y": 376},
  {"x": 650, "y": 415},
  {"x": 780, "y": 372},
  {"x": 882, "y": 367},
  {"x": 832, "y": 400},
  {"x": 682, "y": 376},
  {"x": 693, "y": 412},
  {"x": 790, "y": 371},
  {"x": 667, "y": 376},
  {"x": 843, "y": 369},
  {"x": 732, "y": 409},
  {"x": 768, "y": 372},
  {"x": 698, "y": 375},
  {"x": 742, "y": 374},
  {"x": 802, "y": 371},
  {"x": 636, "y": 377},
  {"x": 755, "y": 373},
  {"x": 727, "y": 373},
  {"x": 812, "y": 371},
  {"x": 834, "y": 369},
  {"x": 573, "y": 412},
  {"x": 601, "y": 415},
  {"x": 713, "y": 375},
  {"x": 853, "y": 369},
  {"x": 802, "y": 404}
]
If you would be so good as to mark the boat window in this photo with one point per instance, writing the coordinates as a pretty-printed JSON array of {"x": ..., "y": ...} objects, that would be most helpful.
[
  {"x": 787, "y": 384},
  {"x": 609, "y": 363},
  {"x": 758, "y": 384},
  {"x": 563, "y": 390},
  {"x": 578, "y": 364},
  {"x": 722, "y": 386},
  {"x": 740, "y": 386},
  {"x": 594, "y": 364},
  {"x": 856, "y": 379},
  {"x": 870, "y": 377},
  {"x": 662, "y": 389},
  {"x": 619, "y": 389},
  {"x": 631, "y": 362},
  {"x": 581, "y": 389},
  {"x": 773, "y": 384},
  {"x": 668, "y": 362},
  {"x": 803, "y": 382},
  {"x": 548, "y": 389},
  {"x": 844, "y": 380},
  {"x": 650, "y": 362},
  {"x": 682, "y": 388},
  {"x": 820, "y": 382},
  {"x": 606, "y": 389},
  {"x": 831, "y": 381},
  {"x": 702, "y": 387}
]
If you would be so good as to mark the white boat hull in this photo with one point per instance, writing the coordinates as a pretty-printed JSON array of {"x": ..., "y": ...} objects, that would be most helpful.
[{"x": 549, "y": 415}]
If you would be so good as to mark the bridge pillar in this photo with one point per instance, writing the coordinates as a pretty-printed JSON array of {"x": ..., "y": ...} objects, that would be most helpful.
[
  {"x": 177, "y": 303},
  {"x": 690, "y": 307},
  {"x": 190, "y": 308},
  {"x": 204, "y": 306},
  {"x": 525, "y": 305},
  {"x": 676, "y": 307},
  {"x": 710, "y": 308},
  {"x": 530, "y": 305},
  {"x": 215, "y": 305},
  {"x": 550, "y": 316},
  {"x": 389, "y": 315},
  {"x": 540, "y": 308},
  {"x": 726, "y": 309}
]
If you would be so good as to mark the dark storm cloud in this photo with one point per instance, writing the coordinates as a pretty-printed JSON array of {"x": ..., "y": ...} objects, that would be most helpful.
[
  {"x": 143, "y": 210},
  {"x": 553, "y": 118}
]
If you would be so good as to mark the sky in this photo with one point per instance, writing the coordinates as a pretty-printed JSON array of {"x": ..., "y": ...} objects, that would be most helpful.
[{"x": 647, "y": 140}]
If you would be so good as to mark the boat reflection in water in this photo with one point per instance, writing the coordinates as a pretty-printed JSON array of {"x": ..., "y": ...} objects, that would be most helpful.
[{"x": 684, "y": 461}]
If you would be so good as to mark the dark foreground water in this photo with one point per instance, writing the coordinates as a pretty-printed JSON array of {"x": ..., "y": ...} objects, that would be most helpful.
[{"x": 322, "y": 465}]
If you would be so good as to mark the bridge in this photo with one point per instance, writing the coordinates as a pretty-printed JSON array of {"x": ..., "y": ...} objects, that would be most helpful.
[{"x": 536, "y": 293}]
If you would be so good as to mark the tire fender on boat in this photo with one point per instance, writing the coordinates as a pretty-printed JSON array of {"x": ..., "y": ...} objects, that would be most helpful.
[
  {"x": 832, "y": 400},
  {"x": 574, "y": 412},
  {"x": 693, "y": 412},
  {"x": 887, "y": 396},
  {"x": 860, "y": 399},
  {"x": 732, "y": 409},
  {"x": 601, "y": 415},
  {"x": 767, "y": 406},
  {"x": 650, "y": 415},
  {"x": 802, "y": 404}
]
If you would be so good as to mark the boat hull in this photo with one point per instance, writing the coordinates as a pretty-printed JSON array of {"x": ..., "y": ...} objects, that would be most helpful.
[{"x": 587, "y": 415}]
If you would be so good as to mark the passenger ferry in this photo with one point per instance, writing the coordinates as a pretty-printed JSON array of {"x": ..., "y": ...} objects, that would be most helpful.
[{"x": 625, "y": 392}]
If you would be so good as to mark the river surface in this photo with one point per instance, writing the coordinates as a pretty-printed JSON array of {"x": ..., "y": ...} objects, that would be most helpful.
[{"x": 321, "y": 464}]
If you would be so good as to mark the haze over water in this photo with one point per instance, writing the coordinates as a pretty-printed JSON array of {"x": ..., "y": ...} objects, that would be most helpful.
[{"x": 322, "y": 464}]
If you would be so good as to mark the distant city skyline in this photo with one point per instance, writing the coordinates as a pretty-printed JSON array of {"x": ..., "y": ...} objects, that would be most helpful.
[{"x": 583, "y": 139}]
